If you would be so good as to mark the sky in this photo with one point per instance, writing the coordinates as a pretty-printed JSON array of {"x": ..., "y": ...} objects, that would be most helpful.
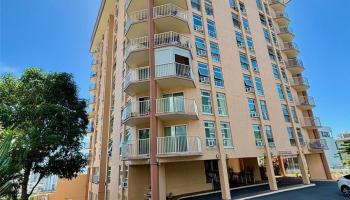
[{"x": 55, "y": 36}]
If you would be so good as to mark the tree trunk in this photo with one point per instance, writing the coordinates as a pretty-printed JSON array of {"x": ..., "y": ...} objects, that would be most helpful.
[{"x": 24, "y": 184}]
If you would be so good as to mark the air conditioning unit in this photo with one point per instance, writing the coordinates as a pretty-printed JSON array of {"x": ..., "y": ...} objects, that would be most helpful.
[
  {"x": 124, "y": 184},
  {"x": 255, "y": 69},
  {"x": 252, "y": 50},
  {"x": 249, "y": 89},
  {"x": 211, "y": 143},
  {"x": 199, "y": 29},
  {"x": 254, "y": 114},
  {"x": 240, "y": 45}
]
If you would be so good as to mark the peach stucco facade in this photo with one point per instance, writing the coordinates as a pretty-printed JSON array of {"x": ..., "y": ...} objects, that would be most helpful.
[{"x": 173, "y": 111}]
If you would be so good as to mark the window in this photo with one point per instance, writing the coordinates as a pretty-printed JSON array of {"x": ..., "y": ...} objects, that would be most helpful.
[
  {"x": 294, "y": 114},
  {"x": 289, "y": 94},
  {"x": 218, "y": 77},
  {"x": 250, "y": 45},
  {"x": 267, "y": 35},
  {"x": 264, "y": 111},
  {"x": 239, "y": 39},
  {"x": 201, "y": 47},
  {"x": 273, "y": 35},
  {"x": 208, "y": 8},
  {"x": 284, "y": 75},
  {"x": 269, "y": 136},
  {"x": 258, "y": 4},
  {"x": 198, "y": 23},
  {"x": 210, "y": 138},
  {"x": 259, "y": 86},
  {"x": 249, "y": 87},
  {"x": 232, "y": 4},
  {"x": 280, "y": 91},
  {"x": 275, "y": 72},
  {"x": 271, "y": 53},
  {"x": 203, "y": 71},
  {"x": 222, "y": 106},
  {"x": 246, "y": 25},
  {"x": 211, "y": 29},
  {"x": 236, "y": 21},
  {"x": 266, "y": 8},
  {"x": 257, "y": 134},
  {"x": 110, "y": 147},
  {"x": 270, "y": 23},
  {"x": 109, "y": 173},
  {"x": 291, "y": 136},
  {"x": 262, "y": 19},
  {"x": 254, "y": 64},
  {"x": 244, "y": 61},
  {"x": 206, "y": 102},
  {"x": 196, "y": 5},
  {"x": 300, "y": 136},
  {"x": 252, "y": 108},
  {"x": 226, "y": 134},
  {"x": 215, "y": 54},
  {"x": 285, "y": 113},
  {"x": 242, "y": 8}
]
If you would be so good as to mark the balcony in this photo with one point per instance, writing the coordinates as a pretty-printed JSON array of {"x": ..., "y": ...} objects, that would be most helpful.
[
  {"x": 277, "y": 5},
  {"x": 286, "y": 34},
  {"x": 179, "y": 146},
  {"x": 136, "y": 81},
  {"x": 92, "y": 89},
  {"x": 294, "y": 65},
  {"x": 299, "y": 83},
  {"x": 163, "y": 15},
  {"x": 281, "y": 19},
  {"x": 93, "y": 77},
  {"x": 91, "y": 114},
  {"x": 136, "y": 112},
  {"x": 317, "y": 145},
  {"x": 136, "y": 53},
  {"x": 136, "y": 149},
  {"x": 95, "y": 65},
  {"x": 173, "y": 108},
  {"x": 133, "y": 5},
  {"x": 170, "y": 73},
  {"x": 306, "y": 103},
  {"x": 311, "y": 123},
  {"x": 95, "y": 179},
  {"x": 290, "y": 49}
]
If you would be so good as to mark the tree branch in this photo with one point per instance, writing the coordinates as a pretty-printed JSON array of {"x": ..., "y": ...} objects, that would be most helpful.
[{"x": 36, "y": 184}]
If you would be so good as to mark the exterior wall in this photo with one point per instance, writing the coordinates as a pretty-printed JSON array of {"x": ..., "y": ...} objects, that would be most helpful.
[
  {"x": 314, "y": 163},
  {"x": 139, "y": 181}
]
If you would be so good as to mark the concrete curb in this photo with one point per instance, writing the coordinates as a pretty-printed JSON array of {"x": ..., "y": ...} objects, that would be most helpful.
[{"x": 278, "y": 191}]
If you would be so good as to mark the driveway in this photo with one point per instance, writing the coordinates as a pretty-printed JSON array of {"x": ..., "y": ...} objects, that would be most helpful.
[{"x": 322, "y": 191}]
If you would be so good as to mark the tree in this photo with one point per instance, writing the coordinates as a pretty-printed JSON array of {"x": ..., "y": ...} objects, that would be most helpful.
[
  {"x": 345, "y": 148},
  {"x": 51, "y": 120}
]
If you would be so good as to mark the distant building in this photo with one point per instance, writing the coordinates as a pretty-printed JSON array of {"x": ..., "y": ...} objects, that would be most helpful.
[
  {"x": 342, "y": 138},
  {"x": 332, "y": 153}
]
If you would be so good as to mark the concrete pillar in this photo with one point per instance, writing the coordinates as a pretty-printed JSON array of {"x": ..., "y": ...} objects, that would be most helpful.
[
  {"x": 270, "y": 172},
  {"x": 282, "y": 168},
  {"x": 224, "y": 184},
  {"x": 303, "y": 168},
  {"x": 162, "y": 182}
]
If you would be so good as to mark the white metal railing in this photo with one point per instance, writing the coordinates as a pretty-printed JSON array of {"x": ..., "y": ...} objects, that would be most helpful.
[
  {"x": 174, "y": 69},
  {"x": 136, "y": 44},
  {"x": 135, "y": 75},
  {"x": 136, "y": 109},
  {"x": 289, "y": 45},
  {"x": 311, "y": 122},
  {"x": 317, "y": 144},
  {"x": 179, "y": 145},
  {"x": 277, "y": 1},
  {"x": 285, "y": 29},
  {"x": 172, "y": 38},
  {"x": 306, "y": 100},
  {"x": 136, "y": 17},
  {"x": 280, "y": 15},
  {"x": 299, "y": 81},
  {"x": 169, "y": 10},
  {"x": 176, "y": 105},
  {"x": 136, "y": 148},
  {"x": 294, "y": 62}
]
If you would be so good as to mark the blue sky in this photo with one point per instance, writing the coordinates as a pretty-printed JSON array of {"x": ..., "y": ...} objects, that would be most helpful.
[{"x": 55, "y": 35}]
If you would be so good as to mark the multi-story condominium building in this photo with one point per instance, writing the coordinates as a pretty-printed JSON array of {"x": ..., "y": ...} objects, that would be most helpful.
[
  {"x": 331, "y": 151},
  {"x": 343, "y": 138},
  {"x": 197, "y": 95}
]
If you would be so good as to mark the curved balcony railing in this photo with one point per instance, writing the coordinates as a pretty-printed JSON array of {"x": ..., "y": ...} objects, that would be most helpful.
[
  {"x": 294, "y": 63},
  {"x": 136, "y": 148},
  {"x": 136, "y": 17},
  {"x": 171, "y": 10},
  {"x": 297, "y": 81},
  {"x": 92, "y": 87},
  {"x": 136, "y": 44},
  {"x": 179, "y": 145},
  {"x": 317, "y": 144},
  {"x": 289, "y": 46},
  {"x": 176, "y": 105},
  {"x": 306, "y": 101},
  {"x": 285, "y": 30},
  {"x": 174, "y": 69},
  {"x": 280, "y": 15},
  {"x": 172, "y": 38},
  {"x": 136, "y": 109},
  {"x": 311, "y": 122},
  {"x": 136, "y": 75}
]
